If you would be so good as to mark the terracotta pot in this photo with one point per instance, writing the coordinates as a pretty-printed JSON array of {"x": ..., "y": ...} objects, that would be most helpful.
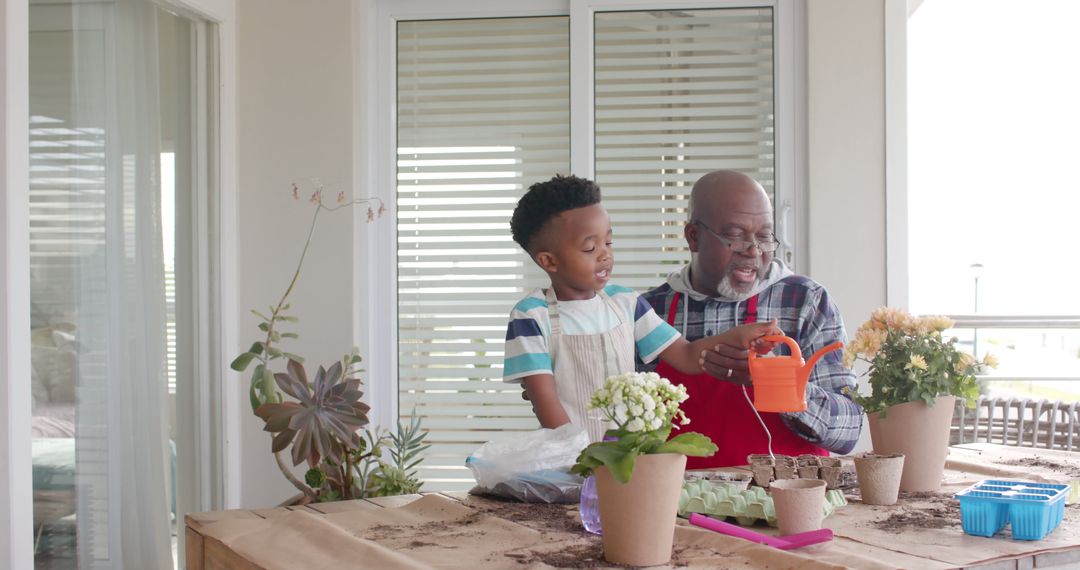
[
  {"x": 799, "y": 504},
  {"x": 879, "y": 477},
  {"x": 638, "y": 517},
  {"x": 921, "y": 434}
]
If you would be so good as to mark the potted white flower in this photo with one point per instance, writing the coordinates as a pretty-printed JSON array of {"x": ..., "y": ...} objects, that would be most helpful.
[
  {"x": 915, "y": 376},
  {"x": 638, "y": 470}
]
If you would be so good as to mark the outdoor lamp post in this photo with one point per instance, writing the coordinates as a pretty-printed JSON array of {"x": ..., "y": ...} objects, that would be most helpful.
[{"x": 976, "y": 270}]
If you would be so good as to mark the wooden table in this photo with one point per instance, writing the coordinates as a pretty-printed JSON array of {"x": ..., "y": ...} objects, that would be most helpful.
[{"x": 520, "y": 540}]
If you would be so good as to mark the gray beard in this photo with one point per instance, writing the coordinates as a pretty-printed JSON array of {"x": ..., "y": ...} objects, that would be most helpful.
[{"x": 727, "y": 291}]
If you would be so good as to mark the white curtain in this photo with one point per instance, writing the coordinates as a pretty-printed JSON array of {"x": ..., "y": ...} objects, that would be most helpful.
[{"x": 122, "y": 457}]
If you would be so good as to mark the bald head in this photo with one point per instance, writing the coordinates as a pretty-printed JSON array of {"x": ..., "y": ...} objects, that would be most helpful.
[
  {"x": 728, "y": 207},
  {"x": 726, "y": 190}
]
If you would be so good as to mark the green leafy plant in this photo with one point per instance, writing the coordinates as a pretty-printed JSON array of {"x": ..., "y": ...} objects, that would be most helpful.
[
  {"x": 910, "y": 360},
  {"x": 320, "y": 419},
  {"x": 644, "y": 407},
  {"x": 398, "y": 475}
]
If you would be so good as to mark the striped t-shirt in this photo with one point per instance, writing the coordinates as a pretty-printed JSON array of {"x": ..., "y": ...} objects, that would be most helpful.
[{"x": 527, "y": 349}]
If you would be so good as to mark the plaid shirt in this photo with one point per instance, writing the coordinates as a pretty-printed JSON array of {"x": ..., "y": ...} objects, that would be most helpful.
[{"x": 806, "y": 314}]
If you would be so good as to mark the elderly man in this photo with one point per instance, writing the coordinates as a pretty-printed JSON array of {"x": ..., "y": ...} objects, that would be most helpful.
[{"x": 732, "y": 279}]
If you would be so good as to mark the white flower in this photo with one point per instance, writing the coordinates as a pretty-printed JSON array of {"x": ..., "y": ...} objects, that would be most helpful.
[
  {"x": 620, "y": 412},
  {"x": 639, "y": 401}
]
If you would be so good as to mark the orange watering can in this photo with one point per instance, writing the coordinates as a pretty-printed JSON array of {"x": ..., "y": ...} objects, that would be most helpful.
[{"x": 780, "y": 381}]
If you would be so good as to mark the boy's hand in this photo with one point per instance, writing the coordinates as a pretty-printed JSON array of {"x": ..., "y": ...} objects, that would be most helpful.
[{"x": 728, "y": 362}]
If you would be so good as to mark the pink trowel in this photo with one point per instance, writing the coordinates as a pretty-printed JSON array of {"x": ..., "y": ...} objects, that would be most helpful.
[{"x": 783, "y": 543}]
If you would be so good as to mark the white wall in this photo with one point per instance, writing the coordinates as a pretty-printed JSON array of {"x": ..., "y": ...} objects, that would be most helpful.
[
  {"x": 846, "y": 190},
  {"x": 295, "y": 94}
]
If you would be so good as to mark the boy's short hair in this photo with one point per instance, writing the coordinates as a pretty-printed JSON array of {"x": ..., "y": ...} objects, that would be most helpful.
[{"x": 548, "y": 199}]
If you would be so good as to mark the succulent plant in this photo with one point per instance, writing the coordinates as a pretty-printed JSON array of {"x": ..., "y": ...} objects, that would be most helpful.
[{"x": 323, "y": 420}]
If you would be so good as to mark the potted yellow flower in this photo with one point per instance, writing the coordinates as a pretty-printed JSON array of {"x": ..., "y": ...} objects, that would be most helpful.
[
  {"x": 638, "y": 470},
  {"x": 915, "y": 376}
]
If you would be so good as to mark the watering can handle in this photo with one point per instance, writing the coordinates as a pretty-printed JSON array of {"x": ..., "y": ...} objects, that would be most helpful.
[{"x": 790, "y": 342}]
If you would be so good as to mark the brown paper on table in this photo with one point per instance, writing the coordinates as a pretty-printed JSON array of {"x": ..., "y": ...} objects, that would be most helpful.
[
  {"x": 301, "y": 540},
  {"x": 437, "y": 532},
  {"x": 968, "y": 465},
  {"x": 949, "y": 544}
]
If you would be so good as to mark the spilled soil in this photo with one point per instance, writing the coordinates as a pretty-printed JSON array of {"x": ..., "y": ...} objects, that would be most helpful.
[
  {"x": 537, "y": 516},
  {"x": 927, "y": 510},
  {"x": 586, "y": 556},
  {"x": 1036, "y": 461}
]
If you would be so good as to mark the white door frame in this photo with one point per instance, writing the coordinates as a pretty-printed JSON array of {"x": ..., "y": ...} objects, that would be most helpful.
[
  {"x": 896, "y": 195},
  {"x": 219, "y": 394},
  {"x": 222, "y": 457},
  {"x": 16, "y": 504}
]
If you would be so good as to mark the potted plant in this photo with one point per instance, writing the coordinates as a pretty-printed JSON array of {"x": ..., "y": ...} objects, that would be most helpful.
[
  {"x": 915, "y": 376},
  {"x": 638, "y": 470},
  {"x": 321, "y": 418}
]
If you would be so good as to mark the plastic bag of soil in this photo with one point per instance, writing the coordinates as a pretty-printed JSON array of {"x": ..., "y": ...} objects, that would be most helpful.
[{"x": 532, "y": 468}]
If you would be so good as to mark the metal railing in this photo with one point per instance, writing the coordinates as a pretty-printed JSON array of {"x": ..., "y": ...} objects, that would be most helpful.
[
  {"x": 1018, "y": 421},
  {"x": 1015, "y": 321}
]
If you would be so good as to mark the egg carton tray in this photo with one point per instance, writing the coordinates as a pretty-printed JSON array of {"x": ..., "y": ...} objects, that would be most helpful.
[
  {"x": 747, "y": 506},
  {"x": 1031, "y": 509}
]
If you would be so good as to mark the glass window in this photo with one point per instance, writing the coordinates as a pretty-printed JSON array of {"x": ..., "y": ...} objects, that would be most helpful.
[{"x": 992, "y": 123}]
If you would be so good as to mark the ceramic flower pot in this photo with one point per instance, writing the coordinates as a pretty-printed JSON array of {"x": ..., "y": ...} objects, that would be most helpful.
[
  {"x": 879, "y": 477},
  {"x": 799, "y": 504},
  {"x": 921, "y": 434},
  {"x": 638, "y": 517}
]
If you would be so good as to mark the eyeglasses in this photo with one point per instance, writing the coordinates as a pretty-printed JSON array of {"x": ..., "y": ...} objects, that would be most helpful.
[{"x": 739, "y": 246}]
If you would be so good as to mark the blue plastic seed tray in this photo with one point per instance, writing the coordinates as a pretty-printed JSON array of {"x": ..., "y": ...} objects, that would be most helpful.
[{"x": 1033, "y": 509}]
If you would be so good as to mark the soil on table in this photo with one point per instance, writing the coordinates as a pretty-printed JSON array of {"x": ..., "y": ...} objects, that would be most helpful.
[
  {"x": 553, "y": 518},
  {"x": 559, "y": 519},
  {"x": 537, "y": 516},
  {"x": 589, "y": 555},
  {"x": 927, "y": 510},
  {"x": 1036, "y": 461}
]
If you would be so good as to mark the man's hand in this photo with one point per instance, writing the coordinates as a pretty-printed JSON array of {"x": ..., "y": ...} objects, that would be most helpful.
[{"x": 727, "y": 363}]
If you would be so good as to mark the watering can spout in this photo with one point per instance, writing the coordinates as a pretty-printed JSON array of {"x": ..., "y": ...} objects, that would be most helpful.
[{"x": 804, "y": 372}]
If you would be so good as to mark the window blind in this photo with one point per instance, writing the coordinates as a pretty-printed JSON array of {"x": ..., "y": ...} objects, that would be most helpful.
[
  {"x": 677, "y": 94},
  {"x": 483, "y": 112}
]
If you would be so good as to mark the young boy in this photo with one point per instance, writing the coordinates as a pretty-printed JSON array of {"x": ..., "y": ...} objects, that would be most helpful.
[{"x": 564, "y": 341}]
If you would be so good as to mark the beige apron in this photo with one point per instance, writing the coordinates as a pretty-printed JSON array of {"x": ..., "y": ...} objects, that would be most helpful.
[{"x": 581, "y": 363}]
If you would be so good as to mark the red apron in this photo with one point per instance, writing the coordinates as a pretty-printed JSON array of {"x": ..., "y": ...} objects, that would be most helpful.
[{"x": 719, "y": 410}]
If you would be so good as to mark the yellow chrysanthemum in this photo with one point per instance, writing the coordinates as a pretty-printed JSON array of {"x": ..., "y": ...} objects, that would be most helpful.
[
  {"x": 964, "y": 364},
  {"x": 916, "y": 361}
]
